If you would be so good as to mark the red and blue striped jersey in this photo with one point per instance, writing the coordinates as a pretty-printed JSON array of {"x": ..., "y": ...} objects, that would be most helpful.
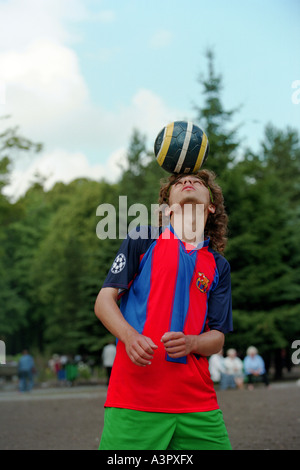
[{"x": 165, "y": 286}]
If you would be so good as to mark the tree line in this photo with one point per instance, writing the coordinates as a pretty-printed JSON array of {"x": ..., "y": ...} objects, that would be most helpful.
[{"x": 52, "y": 264}]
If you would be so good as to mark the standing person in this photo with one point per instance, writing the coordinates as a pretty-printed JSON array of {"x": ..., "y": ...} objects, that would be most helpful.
[
  {"x": 218, "y": 371},
  {"x": 216, "y": 366},
  {"x": 26, "y": 369},
  {"x": 175, "y": 311},
  {"x": 234, "y": 367},
  {"x": 108, "y": 357},
  {"x": 254, "y": 366}
]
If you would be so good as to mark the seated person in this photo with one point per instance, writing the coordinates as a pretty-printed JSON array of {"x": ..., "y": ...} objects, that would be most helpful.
[{"x": 254, "y": 367}]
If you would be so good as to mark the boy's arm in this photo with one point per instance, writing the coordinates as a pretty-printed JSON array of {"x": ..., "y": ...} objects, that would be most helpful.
[{"x": 139, "y": 348}]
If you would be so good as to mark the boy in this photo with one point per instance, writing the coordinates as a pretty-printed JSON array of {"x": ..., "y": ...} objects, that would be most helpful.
[{"x": 175, "y": 311}]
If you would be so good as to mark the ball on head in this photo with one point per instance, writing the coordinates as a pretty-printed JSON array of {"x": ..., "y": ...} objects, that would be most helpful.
[{"x": 181, "y": 147}]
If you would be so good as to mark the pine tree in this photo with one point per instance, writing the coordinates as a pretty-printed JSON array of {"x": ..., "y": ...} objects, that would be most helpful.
[{"x": 216, "y": 121}]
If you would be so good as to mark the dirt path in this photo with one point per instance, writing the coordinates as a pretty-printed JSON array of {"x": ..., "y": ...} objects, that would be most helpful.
[{"x": 70, "y": 419}]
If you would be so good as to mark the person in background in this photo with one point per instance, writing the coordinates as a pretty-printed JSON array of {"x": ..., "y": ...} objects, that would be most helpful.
[
  {"x": 218, "y": 372},
  {"x": 108, "y": 357},
  {"x": 26, "y": 370},
  {"x": 216, "y": 366},
  {"x": 234, "y": 367},
  {"x": 254, "y": 367}
]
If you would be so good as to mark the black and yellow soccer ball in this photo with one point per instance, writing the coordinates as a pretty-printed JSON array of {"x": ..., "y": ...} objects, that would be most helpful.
[{"x": 181, "y": 147}]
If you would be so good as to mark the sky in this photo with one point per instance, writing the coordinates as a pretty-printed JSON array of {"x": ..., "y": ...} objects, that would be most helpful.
[{"x": 80, "y": 75}]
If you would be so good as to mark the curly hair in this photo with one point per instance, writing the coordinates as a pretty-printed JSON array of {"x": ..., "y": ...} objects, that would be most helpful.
[{"x": 216, "y": 224}]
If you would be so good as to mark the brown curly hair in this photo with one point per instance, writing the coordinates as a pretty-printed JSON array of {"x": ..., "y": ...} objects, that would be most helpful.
[{"x": 216, "y": 224}]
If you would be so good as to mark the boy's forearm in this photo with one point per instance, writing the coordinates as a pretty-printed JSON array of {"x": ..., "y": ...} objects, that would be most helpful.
[
  {"x": 108, "y": 312},
  {"x": 139, "y": 348},
  {"x": 208, "y": 343}
]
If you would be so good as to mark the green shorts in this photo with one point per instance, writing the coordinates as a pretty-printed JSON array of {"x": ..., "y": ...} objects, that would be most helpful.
[{"x": 140, "y": 430}]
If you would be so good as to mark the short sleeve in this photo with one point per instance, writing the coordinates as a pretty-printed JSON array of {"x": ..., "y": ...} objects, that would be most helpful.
[
  {"x": 126, "y": 263},
  {"x": 220, "y": 301}
]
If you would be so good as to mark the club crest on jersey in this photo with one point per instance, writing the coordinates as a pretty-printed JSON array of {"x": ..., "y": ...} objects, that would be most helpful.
[{"x": 202, "y": 283}]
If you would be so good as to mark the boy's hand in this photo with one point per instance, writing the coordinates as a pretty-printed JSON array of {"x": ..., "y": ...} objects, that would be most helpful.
[
  {"x": 140, "y": 349},
  {"x": 177, "y": 344}
]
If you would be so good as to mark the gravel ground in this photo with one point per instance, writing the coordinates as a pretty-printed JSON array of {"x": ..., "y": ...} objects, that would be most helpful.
[{"x": 72, "y": 418}]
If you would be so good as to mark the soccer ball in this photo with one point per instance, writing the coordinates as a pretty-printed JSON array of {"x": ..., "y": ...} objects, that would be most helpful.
[{"x": 181, "y": 147}]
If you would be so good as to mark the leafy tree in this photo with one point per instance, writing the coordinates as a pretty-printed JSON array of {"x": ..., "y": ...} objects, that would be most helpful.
[
  {"x": 263, "y": 249},
  {"x": 14, "y": 307},
  {"x": 140, "y": 182},
  {"x": 73, "y": 263},
  {"x": 262, "y": 199}
]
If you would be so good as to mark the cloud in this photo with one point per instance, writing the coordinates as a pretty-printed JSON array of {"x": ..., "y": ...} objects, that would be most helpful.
[
  {"x": 44, "y": 91},
  {"x": 63, "y": 166},
  {"x": 104, "y": 54},
  {"x": 103, "y": 130},
  {"x": 104, "y": 16},
  {"x": 161, "y": 39},
  {"x": 46, "y": 73},
  {"x": 45, "y": 19},
  {"x": 32, "y": 19},
  {"x": 47, "y": 96}
]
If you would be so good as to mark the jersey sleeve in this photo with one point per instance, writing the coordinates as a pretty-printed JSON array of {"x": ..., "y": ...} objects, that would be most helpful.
[
  {"x": 220, "y": 302},
  {"x": 126, "y": 263}
]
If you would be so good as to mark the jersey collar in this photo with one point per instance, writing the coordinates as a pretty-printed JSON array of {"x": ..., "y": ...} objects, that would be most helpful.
[{"x": 200, "y": 245}]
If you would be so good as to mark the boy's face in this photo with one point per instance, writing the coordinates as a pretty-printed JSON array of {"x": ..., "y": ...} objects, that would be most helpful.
[{"x": 190, "y": 189}]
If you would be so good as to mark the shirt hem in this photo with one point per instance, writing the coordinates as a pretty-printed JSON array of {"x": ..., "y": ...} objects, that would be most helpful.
[{"x": 162, "y": 410}]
